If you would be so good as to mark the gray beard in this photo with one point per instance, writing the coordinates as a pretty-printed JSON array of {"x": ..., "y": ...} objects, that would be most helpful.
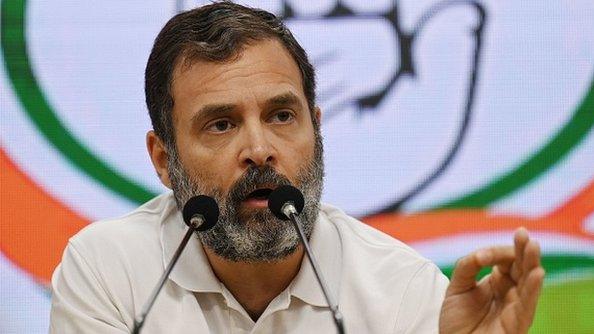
[{"x": 255, "y": 235}]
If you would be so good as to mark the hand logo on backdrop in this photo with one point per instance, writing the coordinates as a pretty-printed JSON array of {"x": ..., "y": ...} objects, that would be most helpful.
[
  {"x": 397, "y": 86},
  {"x": 371, "y": 93},
  {"x": 363, "y": 58}
]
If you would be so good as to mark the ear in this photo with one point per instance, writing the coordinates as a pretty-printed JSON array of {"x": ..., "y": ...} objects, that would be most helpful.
[
  {"x": 158, "y": 153},
  {"x": 318, "y": 115}
]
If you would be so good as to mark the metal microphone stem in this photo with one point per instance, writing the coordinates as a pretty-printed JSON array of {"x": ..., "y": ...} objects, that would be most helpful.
[
  {"x": 289, "y": 211},
  {"x": 139, "y": 322}
]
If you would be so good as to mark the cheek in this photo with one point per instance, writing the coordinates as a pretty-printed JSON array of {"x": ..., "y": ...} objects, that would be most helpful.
[
  {"x": 212, "y": 163},
  {"x": 305, "y": 143},
  {"x": 297, "y": 154},
  {"x": 217, "y": 168}
]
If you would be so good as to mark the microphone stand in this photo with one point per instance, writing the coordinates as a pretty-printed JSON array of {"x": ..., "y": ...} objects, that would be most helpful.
[
  {"x": 289, "y": 210},
  {"x": 195, "y": 222}
]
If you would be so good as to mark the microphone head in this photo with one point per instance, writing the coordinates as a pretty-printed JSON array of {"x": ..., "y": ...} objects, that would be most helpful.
[
  {"x": 201, "y": 205},
  {"x": 282, "y": 195}
]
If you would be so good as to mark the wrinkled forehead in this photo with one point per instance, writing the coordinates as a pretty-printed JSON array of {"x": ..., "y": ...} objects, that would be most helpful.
[
  {"x": 203, "y": 52},
  {"x": 264, "y": 68}
]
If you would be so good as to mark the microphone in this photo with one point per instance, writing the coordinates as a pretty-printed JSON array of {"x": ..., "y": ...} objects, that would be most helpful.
[
  {"x": 200, "y": 213},
  {"x": 286, "y": 203}
]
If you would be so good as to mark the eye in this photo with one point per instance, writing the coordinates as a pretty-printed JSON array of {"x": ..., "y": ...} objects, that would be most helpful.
[
  {"x": 282, "y": 116},
  {"x": 222, "y": 125}
]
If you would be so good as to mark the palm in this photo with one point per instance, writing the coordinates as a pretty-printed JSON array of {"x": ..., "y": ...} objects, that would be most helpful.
[{"x": 503, "y": 301}]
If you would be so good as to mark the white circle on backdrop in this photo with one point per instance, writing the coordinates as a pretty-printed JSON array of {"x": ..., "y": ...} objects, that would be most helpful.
[{"x": 89, "y": 63}]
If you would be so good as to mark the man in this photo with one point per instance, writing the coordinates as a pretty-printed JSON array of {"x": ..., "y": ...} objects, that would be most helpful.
[{"x": 231, "y": 96}]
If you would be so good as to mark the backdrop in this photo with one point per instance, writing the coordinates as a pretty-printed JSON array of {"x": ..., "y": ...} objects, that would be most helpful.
[{"x": 446, "y": 124}]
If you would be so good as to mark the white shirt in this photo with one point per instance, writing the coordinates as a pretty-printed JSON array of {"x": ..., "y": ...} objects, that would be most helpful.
[{"x": 110, "y": 268}]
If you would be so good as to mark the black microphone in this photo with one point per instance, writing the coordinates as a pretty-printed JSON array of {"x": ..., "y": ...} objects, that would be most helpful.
[
  {"x": 286, "y": 203},
  {"x": 200, "y": 213}
]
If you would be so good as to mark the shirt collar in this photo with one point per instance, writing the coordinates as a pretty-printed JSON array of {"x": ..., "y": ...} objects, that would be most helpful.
[
  {"x": 193, "y": 271},
  {"x": 327, "y": 249}
]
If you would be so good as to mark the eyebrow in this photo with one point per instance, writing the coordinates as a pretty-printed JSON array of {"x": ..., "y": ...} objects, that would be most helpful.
[
  {"x": 284, "y": 99},
  {"x": 216, "y": 110},
  {"x": 212, "y": 111}
]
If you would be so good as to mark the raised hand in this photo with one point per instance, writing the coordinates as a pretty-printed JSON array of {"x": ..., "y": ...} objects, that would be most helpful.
[{"x": 503, "y": 301}]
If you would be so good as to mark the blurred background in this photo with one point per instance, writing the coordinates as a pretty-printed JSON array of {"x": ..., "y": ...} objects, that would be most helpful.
[{"x": 447, "y": 124}]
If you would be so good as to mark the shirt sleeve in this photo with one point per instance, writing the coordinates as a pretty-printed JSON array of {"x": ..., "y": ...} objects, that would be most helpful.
[
  {"x": 80, "y": 303},
  {"x": 421, "y": 305}
]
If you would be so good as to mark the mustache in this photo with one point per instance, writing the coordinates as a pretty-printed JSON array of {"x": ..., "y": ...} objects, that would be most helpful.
[{"x": 254, "y": 178}]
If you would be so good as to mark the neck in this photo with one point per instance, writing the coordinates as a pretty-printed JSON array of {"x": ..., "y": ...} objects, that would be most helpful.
[{"x": 255, "y": 285}]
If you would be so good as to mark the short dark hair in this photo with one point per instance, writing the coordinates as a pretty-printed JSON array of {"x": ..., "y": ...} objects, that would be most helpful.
[{"x": 216, "y": 32}]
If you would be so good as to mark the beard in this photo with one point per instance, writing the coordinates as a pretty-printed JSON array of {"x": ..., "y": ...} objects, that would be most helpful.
[{"x": 255, "y": 235}]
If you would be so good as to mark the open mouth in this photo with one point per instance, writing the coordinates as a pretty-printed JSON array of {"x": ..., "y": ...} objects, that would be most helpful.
[{"x": 259, "y": 194}]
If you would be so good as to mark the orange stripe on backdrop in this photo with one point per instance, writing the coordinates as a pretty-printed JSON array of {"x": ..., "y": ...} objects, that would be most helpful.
[
  {"x": 24, "y": 206},
  {"x": 568, "y": 219},
  {"x": 34, "y": 227},
  {"x": 580, "y": 207}
]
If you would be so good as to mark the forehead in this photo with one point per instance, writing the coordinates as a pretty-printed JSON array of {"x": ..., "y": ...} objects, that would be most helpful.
[{"x": 262, "y": 69}]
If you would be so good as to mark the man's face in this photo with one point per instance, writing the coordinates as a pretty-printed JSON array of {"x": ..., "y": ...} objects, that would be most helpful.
[{"x": 242, "y": 128}]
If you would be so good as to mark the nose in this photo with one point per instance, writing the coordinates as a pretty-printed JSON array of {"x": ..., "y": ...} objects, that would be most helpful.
[{"x": 257, "y": 149}]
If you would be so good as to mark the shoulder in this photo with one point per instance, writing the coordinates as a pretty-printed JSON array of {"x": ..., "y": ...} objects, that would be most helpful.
[
  {"x": 373, "y": 250},
  {"x": 384, "y": 277},
  {"x": 114, "y": 259},
  {"x": 127, "y": 248},
  {"x": 358, "y": 235},
  {"x": 139, "y": 226}
]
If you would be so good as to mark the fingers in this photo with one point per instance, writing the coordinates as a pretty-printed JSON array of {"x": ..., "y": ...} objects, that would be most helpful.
[
  {"x": 528, "y": 296},
  {"x": 501, "y": 282},
  {"x": 531, "y": 281},
  {"x": 464, "y": 275},
  {"x": 531, "y": 256},
  {"x": 527, "y": 255},
  {"x": 511, "y": 265},
  {"x": 530, "y": 291},
  {"x": 520, "y": 241}
]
